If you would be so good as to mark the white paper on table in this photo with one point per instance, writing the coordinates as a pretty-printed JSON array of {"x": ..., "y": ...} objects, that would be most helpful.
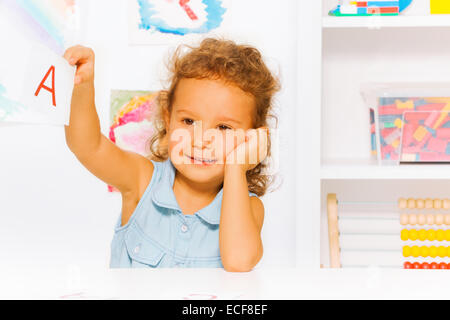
[{"x": 202, "y": 295}]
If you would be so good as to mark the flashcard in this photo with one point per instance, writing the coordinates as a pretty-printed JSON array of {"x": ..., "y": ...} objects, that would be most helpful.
[
  {"x": 35, "y": 85},
  {"x": 48, "y": 86}
]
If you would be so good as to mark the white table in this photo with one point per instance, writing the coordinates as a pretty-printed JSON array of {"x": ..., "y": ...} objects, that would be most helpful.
[{"x": 263, "y": 283}]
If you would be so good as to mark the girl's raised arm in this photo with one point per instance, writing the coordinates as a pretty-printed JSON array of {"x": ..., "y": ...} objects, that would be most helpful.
[{"x": 128, "y": 172}]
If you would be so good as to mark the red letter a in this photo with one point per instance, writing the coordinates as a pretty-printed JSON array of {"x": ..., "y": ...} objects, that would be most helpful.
[{"x": 42, "y": 85}]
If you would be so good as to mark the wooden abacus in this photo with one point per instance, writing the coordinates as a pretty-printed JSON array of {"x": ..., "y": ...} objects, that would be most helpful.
[{"x": 397, "y": 239}]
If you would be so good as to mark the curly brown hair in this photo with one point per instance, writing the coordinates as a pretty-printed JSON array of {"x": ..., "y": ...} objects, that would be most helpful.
[{"x": 239, "y": 65}]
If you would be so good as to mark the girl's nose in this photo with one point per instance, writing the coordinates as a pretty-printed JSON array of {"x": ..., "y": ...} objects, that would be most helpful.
[{"x": 200, "y": 139}]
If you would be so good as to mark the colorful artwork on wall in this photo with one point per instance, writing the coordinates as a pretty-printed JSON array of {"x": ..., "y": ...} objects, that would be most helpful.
[
  {"x": 163, "y": 21},
  {"x": 131, "y": 118},
  {"x": 53, "y": 23}
]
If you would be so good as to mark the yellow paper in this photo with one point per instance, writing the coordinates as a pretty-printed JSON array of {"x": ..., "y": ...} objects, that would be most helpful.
[{"x": 440, "y": 6}]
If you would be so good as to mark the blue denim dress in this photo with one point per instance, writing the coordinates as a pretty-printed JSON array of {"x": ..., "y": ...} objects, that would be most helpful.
[{"x": 158, "y": 234}]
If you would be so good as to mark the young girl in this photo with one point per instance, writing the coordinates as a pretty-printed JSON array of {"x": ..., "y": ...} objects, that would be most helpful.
[{"x": 195, "y": 204}]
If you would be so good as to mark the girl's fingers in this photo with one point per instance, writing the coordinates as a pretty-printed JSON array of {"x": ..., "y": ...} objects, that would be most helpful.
[
  {"x": 258, "y": 145},
  {"x": 83, "y": 73},
  {"x": 78, "y": 53},
  {"x": 262, "y": 145},
  {"x": 251, "y": 147},
  {"x": 76, "y": 56},
  {"x": 72, "y": 55},
  {"x": 80, "y": 77},
  {"x": 67, "y": 54},
  {"x": 83, "y": 58}
]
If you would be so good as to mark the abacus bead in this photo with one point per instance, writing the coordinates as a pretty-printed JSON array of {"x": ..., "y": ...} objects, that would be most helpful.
[
  {"x": 416, "y": 265},
  {"x": 442, "y": 251},
  {"x": 433, "y": 252},
  {"x": 440, "y": 235},
  {"x": 425, "y": 265},
  {"x": 412, "y": 219},
  {"x": 413, "y": 234},
  {"x": 439, "y": 219},
  {"x": 404, "y": 219},
  {"x": 448, "y": 251},
  {"x": 447, "y": 235},
  {"x": 431, "y": 235},
  {"x": 433, "y": 265},
  {"x": 404, "y": 234},
  {"x": 420, "y": 204},
  {"x": 437, "y": 204},
  {"x": 442, "y": 265},
  {"x": 430, "y": 218},
  {"x": 402, "y": 203},
  {"x": 422, "y": 234},
  {"x": 421, "y": 220},
  {"x": 447, "y": 219},
  {"x": 415, "y": 251},
  {"x": 428, "y": 204},
  {"x": 411, "y": 203},
  {"x": 446, "y": 204},
  {"x": 407, "y": 265},
  {"x": 406, "y": 251},
  {"x": 424, "y": 251}
]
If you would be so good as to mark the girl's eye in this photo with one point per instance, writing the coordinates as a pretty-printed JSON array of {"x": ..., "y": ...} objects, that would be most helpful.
[
  {"x": 188, "y": 121},
  {"x": 224, "y": 127}
]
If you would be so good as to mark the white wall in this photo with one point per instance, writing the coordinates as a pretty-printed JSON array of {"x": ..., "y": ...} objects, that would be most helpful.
[{"x": 54, "y": 212}]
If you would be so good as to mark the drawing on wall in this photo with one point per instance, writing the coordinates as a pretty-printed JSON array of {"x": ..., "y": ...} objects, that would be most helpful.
[
  {"x": 53, "y": 23},
  {"x": 169, "y": 21},
  {"x": 8, "y": 106},
  {"x": 131, "y": 118}
]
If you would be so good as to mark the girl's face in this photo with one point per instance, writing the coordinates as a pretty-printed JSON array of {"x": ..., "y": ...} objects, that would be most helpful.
[{"x": 207, "y": 120}]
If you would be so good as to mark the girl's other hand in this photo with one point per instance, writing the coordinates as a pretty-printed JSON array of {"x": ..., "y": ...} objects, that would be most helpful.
[
  {"x": 83, "y": 58},
  {"x": 253, "y": 150}
]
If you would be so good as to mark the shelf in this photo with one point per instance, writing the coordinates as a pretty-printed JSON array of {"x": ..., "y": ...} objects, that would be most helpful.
[
  {"x": 369, "y": 169},
  {"x": 376, "y": 22}
]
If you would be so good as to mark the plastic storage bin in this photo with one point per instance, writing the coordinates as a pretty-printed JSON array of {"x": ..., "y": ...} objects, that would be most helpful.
[{"x": 409, "y": 123}]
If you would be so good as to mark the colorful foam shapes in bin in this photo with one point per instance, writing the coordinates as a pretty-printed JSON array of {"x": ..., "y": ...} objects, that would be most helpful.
[
  {"x": 370, "y": 8},
  {"x": 425, "y": 142},
  {"x": 421, "y": 123}
]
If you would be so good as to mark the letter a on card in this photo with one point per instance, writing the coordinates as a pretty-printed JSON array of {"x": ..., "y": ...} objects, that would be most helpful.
[
  {"x": 43, "y": 86},
  {"x": 48, "y": 85}
]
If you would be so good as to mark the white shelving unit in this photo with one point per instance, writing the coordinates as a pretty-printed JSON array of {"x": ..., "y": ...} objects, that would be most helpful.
[
  {"x": 387, "y": 22},
  {"x": 369, "y": 169},
  {"x": 337, "y": 55}
]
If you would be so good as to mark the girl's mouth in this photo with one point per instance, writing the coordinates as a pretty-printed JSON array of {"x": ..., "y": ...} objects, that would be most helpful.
[{"x": 201, "y": 161}]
